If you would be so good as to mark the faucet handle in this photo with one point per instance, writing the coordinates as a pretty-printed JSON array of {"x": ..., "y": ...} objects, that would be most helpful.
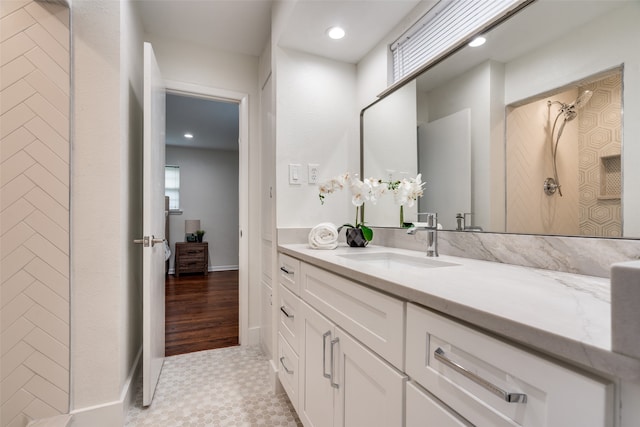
[{"x": 432, "y": 218}]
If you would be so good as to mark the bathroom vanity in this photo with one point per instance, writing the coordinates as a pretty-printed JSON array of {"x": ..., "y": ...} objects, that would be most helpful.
[{"x": 388, "y": 337}]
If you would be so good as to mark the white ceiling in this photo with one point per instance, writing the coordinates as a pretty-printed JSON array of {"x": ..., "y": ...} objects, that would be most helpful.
[
  {"x": 366, "y": 22},
  {"x": 244, "y": 26},
  {"x": 240, "y": 26},
  {"x": 213, "y": 124}
]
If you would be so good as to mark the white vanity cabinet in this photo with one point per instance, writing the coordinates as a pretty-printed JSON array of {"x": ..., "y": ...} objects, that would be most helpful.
[
  {"x": 373, "y": 318},
  {"x": 288, "y": 343},
  {"x": 343, "y": 383},
  {"x": 492, "y": 383},
  {"x": 289, "y": 273},
  {"x": 288, "y": 326},
  {"x": 358, "y": 355},
  {"x": 333, "y": 338},
  {"x": 425, "y": 410}
]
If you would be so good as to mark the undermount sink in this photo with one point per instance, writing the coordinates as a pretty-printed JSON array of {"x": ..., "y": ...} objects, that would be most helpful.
[{"x": 392, "y": 260}]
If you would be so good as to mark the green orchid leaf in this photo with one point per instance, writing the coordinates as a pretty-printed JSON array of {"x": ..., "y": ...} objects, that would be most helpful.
[{"x": 366, "y": 232}]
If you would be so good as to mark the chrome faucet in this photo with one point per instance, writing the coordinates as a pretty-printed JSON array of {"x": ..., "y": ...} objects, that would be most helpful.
[{"x": 432, "y": 233}]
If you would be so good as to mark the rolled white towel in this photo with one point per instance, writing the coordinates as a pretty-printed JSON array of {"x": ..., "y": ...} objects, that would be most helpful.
[{"x": 323, "y": 236}]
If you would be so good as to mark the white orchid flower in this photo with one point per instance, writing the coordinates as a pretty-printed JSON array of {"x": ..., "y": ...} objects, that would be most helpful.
[
  {"x": 359, "y": 191},
  {"x": 409, "y": 190},
  {"x": 376, "y": 190}
]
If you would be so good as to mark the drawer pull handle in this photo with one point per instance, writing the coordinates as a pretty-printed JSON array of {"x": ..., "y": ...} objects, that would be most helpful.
[
  {"x": 284, "y": 269},
  {"x": 324, "y": 354},
  {"x": 287, "y": 370},
  {"x": 508, "y": 397},
  {"x": 283, "y": 309},
  {"x": 333, "y": 372}
]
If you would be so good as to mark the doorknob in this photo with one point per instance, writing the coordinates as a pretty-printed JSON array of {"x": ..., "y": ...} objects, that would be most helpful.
[{"x": 147, "y": 241}]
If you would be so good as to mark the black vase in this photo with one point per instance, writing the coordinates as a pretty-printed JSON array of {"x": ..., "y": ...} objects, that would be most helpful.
[{"x": 355, "y": 238}]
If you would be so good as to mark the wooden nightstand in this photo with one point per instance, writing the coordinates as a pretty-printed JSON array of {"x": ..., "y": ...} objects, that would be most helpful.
[{"x": 192, "y": 258}]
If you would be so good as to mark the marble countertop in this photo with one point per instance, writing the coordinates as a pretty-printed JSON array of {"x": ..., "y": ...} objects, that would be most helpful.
[{"x": 564, "y": 315}]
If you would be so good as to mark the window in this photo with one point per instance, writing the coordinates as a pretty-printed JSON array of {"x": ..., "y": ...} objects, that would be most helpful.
[
  {"x": 172, "y": 186},
  {"x": 446, "y": 25}
]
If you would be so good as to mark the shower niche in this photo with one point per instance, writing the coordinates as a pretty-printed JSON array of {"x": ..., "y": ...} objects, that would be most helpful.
[
  {"x": 610, "y": 177},
  {"x": 563, "y": 159}
]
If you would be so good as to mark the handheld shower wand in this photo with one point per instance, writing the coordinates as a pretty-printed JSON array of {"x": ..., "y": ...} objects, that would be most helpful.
[{"x": 570, "y": 112}]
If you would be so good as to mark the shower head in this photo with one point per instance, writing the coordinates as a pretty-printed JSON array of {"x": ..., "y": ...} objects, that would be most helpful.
[
  {"x": 581, "y": 100},
  {"x": 570, "y": 114},
  {"x": 570, "y": 110}
]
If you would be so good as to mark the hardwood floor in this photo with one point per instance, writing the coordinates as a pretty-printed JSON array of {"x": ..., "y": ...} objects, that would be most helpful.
[{"x": 201, "y": 312}]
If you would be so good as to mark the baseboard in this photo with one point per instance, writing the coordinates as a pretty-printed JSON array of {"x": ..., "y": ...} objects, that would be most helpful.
[
  {"x": 223, "y": 267},
  {"x": 111, "y": 413},
  {"x": 274, "y": 381},
  {"x": 212, "y": 268},
  {"x": 253, "y": 337},
  {"x": 106, "y": 415},
  {"x": 128, "y": 395}
]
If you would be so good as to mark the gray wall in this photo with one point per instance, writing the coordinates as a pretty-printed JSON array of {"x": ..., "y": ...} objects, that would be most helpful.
[{"x": 208, "y": 192}]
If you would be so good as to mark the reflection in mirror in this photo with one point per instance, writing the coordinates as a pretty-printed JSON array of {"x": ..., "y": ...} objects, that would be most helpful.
[
  {"x": 479, "y": 125},
  {"x": 570, "y": 138}
]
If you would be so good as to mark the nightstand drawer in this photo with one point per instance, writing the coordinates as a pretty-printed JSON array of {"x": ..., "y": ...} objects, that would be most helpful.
[{"x": 192, "y": 258}]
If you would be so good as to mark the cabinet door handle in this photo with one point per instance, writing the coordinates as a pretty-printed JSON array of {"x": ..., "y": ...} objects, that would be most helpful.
[
  {"x": 287, "y": 370},
  {"x": 283, "y": 309},
  {"x": 324, "y": 354},
  {"x": 333, "y": 372},
  {"x": 284, "y": 269},
  {"x": 507, "y": 396}
]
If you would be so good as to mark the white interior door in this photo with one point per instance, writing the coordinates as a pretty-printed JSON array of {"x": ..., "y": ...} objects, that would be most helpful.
[{"x": 153, "y": 225}]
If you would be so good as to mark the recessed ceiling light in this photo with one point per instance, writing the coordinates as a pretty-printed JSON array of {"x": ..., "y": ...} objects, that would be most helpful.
[
  {"x": 478, "y": 41},
  {"x": 336, "y": 33},
  {"x": 188, "y": 135}
]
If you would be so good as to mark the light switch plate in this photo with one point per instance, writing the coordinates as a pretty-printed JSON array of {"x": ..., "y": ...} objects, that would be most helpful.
[{"x": 294, "y": 174}]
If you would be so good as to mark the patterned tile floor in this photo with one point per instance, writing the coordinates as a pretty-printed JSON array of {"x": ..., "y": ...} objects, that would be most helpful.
[{"x": 223, "y": 387}]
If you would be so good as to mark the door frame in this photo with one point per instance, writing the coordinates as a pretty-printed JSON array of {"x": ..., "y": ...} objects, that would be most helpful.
[{"x": 242, "y": 99}]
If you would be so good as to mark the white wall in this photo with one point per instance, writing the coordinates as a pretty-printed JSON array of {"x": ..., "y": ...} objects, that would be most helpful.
[
  {"x": 391, "y": 136},
  {"x": 316, "y": 122},
  {"x": 106, "y": 211},
  {"x": 208, "y": 192},
  {"x": 469, "y": 90}
]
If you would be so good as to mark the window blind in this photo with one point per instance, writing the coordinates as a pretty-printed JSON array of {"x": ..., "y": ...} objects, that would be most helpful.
[
  {"x": 172, "y": 186},
  {"x": 445, "y": 25}
]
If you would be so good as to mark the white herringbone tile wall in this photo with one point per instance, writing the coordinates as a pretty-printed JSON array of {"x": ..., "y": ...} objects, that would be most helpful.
[{"x": 34, "y": 211}]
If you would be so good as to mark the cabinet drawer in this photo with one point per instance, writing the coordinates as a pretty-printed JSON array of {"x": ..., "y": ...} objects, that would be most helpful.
[
  {"x": 198, "y": 256},
  {"x": 289, "y": 311},
  {"x": 421, "y": 407},
  {"x": 288, "y": 364},
  {"x": 453, "y": 362},
  {"x": 376, "y": 319},
  {"x": 193, "y": 252},
  {"x": 191, "y": 262},
  {"x": 289, "y": 272}
]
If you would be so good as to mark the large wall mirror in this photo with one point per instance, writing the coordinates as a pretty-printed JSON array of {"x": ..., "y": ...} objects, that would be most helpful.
[{"x": 526, "y": 133}]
